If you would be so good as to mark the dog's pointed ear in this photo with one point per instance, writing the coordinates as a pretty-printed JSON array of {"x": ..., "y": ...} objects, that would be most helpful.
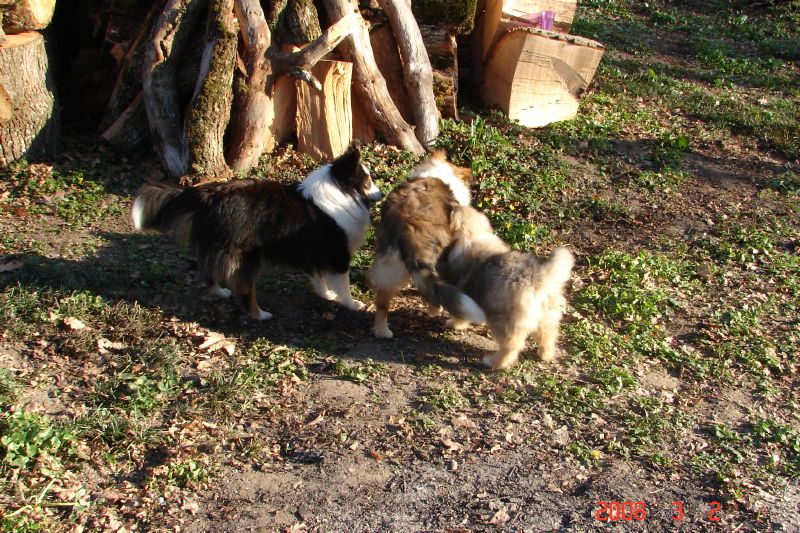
[{"x": 344, "y": 167}]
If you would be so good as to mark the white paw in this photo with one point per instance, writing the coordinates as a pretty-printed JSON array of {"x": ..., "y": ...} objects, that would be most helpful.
[
  {"x": 383, "y": 333},
  {"x": 219, "y": 292},
  {"x": 490, "y": 361},
  {"x": 263, "y": 315},
  {"x": 355, "y": 305},
  {"x": 433, "y": 310},
  {"x": 457, "y": 324},
  {"x": 330, "y": 295}
]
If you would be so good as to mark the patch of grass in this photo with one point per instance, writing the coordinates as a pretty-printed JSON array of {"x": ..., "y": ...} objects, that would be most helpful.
[
  {"x": 445, "y": 398},
  {"x": 652, "y": 426},
  {"x": 358, "y": 372},
  {"x": 264, "y": 366},
  {"x": 584, "y": 452},
  {"x": 9, "y": 388},
  {"x": 21, "y": 311},
  {"x": 182, "y": 474},
  {"x": 667, "y": 179},
  {"x": 786, "y": 183},
  {"x": 634, "y": 291},
  {"x": 74, "y": 196},
  {"x": 614, "y": 379}
]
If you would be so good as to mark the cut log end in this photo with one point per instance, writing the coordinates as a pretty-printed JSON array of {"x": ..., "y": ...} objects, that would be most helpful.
[{"x": 28, "y": 15}]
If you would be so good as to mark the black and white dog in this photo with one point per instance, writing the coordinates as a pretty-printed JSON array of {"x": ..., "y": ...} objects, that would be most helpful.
[{"x": 234, "y": 227}]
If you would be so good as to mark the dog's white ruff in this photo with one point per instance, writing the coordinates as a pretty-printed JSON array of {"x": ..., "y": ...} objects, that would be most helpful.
[
  {"x": 443, "y": 171},
  {"x": 347, "y": 210}
]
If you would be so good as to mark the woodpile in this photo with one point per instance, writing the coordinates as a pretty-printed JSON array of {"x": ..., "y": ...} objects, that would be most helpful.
[
  {"x": 288, "y": 77},
  {"x": 214, "y": 85},
  {"x": 534, "y": 75},
  {"x": 28, "y": 109}
]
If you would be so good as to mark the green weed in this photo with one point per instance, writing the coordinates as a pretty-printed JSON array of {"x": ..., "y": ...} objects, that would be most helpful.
[
  {"x": 358, "y": 372},
  {"x": 26, "y": 438}
]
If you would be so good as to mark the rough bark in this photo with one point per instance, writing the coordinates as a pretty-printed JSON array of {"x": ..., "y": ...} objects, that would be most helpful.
[
  {"x": 210, "y": 108},
  {"x": 417, "y": 71},
  {"x": 167, "y": 43},
  {"x": 369, "y": 84},
  {"x": 27, "y": 15},
  {"x": 28, "y": 111},
  {"x": 458, "y": 15},
  {"x": 129, "y": 132},
  {"x": 387, "y": 57},
  {"x": 250, "y": 129}
]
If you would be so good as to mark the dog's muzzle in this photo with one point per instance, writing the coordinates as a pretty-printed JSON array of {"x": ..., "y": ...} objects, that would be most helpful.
[{"x": 374, "y": 193}]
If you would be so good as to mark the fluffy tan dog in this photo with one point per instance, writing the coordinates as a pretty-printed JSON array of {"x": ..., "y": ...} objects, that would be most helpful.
[
  {"x": 415, "y": 227},
  {"x": 519, "y": 292}
]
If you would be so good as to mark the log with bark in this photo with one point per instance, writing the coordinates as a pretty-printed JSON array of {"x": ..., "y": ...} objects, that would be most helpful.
[{"x": 28, "y": 110}]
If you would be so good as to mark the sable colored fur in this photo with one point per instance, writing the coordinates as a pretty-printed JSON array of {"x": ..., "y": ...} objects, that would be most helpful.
[
  {"x": 233, "y": 227},
  {"x": 519, "y": 292},
  {"x": 415, "y": 227}
]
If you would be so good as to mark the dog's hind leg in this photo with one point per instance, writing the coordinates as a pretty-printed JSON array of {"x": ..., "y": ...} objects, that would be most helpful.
[
  {"x": 245, "y": 286},
  {"x": 546, "y": 335},
  {"x": 339, "y": 283},
  {"x": 215, "y": 289},
  {"x": 509, "y": 346},
  {"x": 388, "y": 275}
]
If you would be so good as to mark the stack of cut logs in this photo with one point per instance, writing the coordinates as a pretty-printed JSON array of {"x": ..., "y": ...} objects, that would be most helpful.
[
  {"x": 534, "y": 75},
  {"x": 28, "y": 114},
  {"x": 213, "y": 85}
]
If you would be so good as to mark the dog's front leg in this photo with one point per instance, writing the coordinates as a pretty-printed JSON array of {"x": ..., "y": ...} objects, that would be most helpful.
[
  {"x": 340, "y": 284},
  {"x": 321, "y": 287}
]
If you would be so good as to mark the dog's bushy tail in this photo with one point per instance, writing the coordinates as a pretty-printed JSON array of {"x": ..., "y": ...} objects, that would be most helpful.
[
  {"x": 437, "y": 292},
  {"x": 164, "y": 207},
  {"x": 554, "y": 273}
]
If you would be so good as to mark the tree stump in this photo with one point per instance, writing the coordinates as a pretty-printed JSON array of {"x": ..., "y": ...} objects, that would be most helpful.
[{"x": 28, "y": 112}]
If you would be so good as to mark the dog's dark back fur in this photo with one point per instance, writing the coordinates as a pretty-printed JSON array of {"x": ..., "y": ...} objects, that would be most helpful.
[{"x": 233, "y": 226}]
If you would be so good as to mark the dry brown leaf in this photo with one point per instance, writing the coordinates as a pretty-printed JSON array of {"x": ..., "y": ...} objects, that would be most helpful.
[
  {"x": 500, "y": 517},
  {"x": 461, "y": 421},
  {"x": 74, "y": 324},
  {"x": 213, "y": 342},
  {"x": 104, "y": 345},
  {"x": 452, "y": 446}
]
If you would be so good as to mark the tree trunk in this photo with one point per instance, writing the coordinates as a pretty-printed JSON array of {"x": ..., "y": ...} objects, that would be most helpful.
[
  {"x": 210, "y": 108},
  {"x": 167, "y": 43},
  {"x": 370, "y": 87},
  {"x": 442, "y": 50},
  {"x": 417, "y": 70},
  {"x": 26, "y": 15},
  {"x": 28, "y": 111}
]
